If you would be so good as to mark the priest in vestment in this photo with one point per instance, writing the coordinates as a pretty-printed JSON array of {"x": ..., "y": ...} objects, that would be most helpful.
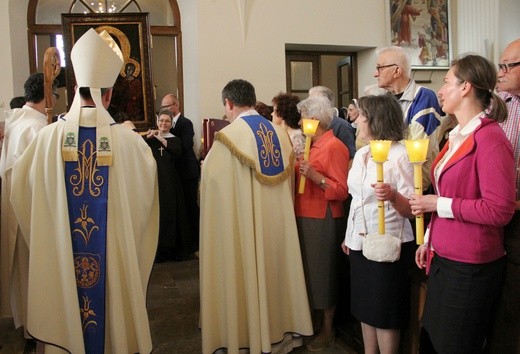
[
  {"x": 253, "y": 294},
  {"x": 87, "y": 204},
  {"x": 21, "y": 127}
]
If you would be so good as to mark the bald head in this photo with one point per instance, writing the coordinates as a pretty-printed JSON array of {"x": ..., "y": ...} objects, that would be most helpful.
[
  {"x": 514, "y": 45},
  {"x": 171, "y": 103},
  {"x": 510, "y": 81}
]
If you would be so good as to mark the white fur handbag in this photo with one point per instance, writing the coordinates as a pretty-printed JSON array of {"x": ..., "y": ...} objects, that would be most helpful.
[{"x": 382, "y": 248}]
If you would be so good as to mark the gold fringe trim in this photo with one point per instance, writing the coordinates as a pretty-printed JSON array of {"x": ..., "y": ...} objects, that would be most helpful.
[{"x": 248, "y": 161}]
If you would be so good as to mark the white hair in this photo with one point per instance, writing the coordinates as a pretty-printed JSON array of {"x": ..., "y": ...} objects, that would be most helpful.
[
  {"x": 400, "y": 57},
  {"x": 374, "y": 90},
  {"x": 322, "y": 91},
  {"x": 317, "y": 107}
]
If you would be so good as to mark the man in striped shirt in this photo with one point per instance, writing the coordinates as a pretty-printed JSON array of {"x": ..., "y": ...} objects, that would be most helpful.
[{"x": 507, "y": 327}]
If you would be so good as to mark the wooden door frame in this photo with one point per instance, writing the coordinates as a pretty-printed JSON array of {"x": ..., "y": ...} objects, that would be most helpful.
[
  {"x": 353, "y": 79},
  {"x": 292, "y": 55},
  {"x": 301, "y": 57}
]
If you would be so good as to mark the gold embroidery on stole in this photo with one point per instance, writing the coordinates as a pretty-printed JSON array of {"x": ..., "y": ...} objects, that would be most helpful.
[
  {"x": 269, "y": 153},
  {"x": 87, "y": 314},
  {"x": 87, "y": 172}
]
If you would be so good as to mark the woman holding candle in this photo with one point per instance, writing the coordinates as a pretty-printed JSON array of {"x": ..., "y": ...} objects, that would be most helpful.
[
  {"x": 379, "y": 290},
  {"x": 319, "y": 216},
  {"x": 474, "y": 200}
]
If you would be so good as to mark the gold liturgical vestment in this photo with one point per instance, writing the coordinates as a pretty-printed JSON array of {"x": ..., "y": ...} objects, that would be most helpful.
[
  {"x": 40, "y": 204},
  {"x": 252, "y": 283}
]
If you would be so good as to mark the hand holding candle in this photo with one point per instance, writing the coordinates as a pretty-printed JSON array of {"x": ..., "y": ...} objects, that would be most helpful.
[
  {"x": 379, "y": 150},
  {"x": 417, "y": 151},
  {"x": 309, "y": 127}
]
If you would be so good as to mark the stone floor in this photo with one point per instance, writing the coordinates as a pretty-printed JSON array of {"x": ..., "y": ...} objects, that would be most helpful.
[{"x": 173, "y": 308}]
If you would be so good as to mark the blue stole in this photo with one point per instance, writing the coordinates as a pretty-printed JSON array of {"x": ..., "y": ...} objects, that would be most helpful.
[
  {"x": 269, "y": 150},
  {"x": 87, "y": 195}
]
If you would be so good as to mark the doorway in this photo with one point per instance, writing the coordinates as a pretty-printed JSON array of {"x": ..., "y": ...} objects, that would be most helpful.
[{"x": 335, "y": 70}]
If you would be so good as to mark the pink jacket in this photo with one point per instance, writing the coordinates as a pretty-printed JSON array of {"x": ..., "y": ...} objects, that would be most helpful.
[{"x": 480, "y": 178}]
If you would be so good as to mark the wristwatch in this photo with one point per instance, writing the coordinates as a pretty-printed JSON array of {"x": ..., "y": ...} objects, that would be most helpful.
[{"x": 322, "y": 182}]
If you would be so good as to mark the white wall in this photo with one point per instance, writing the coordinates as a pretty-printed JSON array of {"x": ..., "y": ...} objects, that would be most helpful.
[
  {"x": 19, "y": 49},
  {"x": 228, "y": 39},
  {"x": 246, "y": 39},
  {"x": 190, "y": 49},
  {"x": 6, "y": 88},
  {"x": 508, "y": 23}
]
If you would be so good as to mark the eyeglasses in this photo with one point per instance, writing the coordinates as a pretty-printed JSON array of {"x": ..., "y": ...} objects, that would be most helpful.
[
  {"x": 378, "y": 68},
  {"x": 505, "y": 67},
  {"x": 56, "y": 95},
  {"x": 168, "y": 105}
]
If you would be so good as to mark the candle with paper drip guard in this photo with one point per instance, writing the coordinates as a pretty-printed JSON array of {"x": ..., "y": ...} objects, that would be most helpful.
[
  {"x": 417, "y": 151},
  {"x": 379, "y": 150},
  {"x": 309, "y": 126}
]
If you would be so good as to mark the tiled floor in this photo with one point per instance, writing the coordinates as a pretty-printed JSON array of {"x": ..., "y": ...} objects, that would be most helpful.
[{"x": 173, "y": 307}]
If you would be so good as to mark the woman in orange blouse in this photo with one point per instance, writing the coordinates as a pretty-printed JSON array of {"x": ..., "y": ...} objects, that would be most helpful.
[{"x": 319, "y": 215}]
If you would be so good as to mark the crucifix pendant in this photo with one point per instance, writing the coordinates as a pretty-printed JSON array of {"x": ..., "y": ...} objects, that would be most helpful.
[{"x": 161, "y": 150}]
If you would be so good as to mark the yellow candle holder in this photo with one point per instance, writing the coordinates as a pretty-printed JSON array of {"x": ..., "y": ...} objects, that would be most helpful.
[
  {"x": 379, "y": 150},
  {"x": 309, "y": 126},
  {"x": 417, "y": 151}
]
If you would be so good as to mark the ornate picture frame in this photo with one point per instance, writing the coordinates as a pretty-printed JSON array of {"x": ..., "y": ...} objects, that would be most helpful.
[
  {"x": 132, "y": 97},
  {"x": 422, "y": 29}
]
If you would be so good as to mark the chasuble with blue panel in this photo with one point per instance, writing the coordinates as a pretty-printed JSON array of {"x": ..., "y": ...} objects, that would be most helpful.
[{"x": 87, "y": 197}]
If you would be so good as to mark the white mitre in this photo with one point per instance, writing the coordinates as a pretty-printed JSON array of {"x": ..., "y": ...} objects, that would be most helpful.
[{"x": 97, "y": 61}]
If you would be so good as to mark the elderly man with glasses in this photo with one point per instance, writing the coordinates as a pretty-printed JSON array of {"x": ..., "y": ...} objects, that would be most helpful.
[
  {"x": 422, "y": 112},
  {"x": 507, "y": 327}
]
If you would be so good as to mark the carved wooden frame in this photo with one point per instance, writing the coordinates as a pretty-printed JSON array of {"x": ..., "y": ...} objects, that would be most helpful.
[{"x": 131, "y": 31}]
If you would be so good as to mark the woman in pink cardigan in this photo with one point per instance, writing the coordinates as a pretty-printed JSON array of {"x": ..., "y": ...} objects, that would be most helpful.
[{"x": 474, "y": 181}]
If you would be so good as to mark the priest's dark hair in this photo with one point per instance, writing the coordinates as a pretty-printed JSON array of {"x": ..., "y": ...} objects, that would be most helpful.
[
  {"x": 240, "y": 92},
  {"x": 84, "y": 92},
  {"x": 17, "y": 102},
  {"x": 34, "y": 88}
]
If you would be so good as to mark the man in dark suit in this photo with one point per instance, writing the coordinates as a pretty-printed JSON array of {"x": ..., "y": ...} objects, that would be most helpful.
[{"x": 189, "y": 171}]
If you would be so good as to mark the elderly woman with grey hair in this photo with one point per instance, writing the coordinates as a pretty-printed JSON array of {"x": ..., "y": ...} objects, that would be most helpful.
[{"x": 319, "y": 216}]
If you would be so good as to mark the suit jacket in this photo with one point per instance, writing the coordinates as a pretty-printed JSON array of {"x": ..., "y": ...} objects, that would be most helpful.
[
  {"x": 187, "y": 163},
  {"x": 344, "y": 131}
]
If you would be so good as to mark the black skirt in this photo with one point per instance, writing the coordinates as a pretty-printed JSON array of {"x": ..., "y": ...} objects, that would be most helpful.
[
  {"x": 460, "y": 302},
  {"x": 380, "y": 292}
]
